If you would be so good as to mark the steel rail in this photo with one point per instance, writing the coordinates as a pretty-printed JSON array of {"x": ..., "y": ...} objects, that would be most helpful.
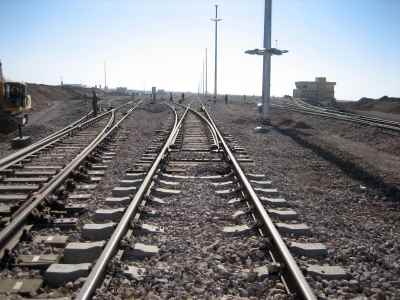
[
  {"x": 178, "y": 127},
  {"x": 33, "y": 202},
  {"x": 32, "y": 149},
  {"x": 353, "y": 117},
  {"x": 96, "y": 275},
  {"x": 296, "y": 278},
  {"x": 306, "y": 105},
  {"x": 13, "y": 156},
  {"x": 336, "y": 116},
  {"x": 210, "y": 127},
  {"x": 48, "y": 141},
  {"x": 17, "y": 222},
  {"x": 39, "y": 145}
]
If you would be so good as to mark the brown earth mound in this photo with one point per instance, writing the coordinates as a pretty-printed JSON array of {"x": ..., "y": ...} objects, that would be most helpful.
[
  {"x": 42, "y": 95},
  {"x": 385, "y": 104}
]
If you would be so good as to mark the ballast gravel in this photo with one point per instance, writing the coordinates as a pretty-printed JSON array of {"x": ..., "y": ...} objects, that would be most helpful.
[
  {"x": 358, "y": 223},
  {"x": 196, "y": 259}
]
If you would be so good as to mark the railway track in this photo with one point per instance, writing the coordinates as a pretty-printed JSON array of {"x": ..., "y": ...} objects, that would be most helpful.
[
  {"x": 32, "y": 173},
  {"x": 306, "y": 108},
  {"x": 177, "y": 234},
  {"x": 186, "y": 220},
  {"x": 32, "y": 170},
  {"x": 38, "y": 190}
]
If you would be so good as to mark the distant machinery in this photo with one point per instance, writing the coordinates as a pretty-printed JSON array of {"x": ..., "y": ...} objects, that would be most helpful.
[
  {"x": 14, "y": 103},
  {"x": 14, "y": 98}
]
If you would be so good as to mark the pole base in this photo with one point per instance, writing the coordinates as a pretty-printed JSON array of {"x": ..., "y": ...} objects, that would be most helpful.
[
  {"x": 265, "y": 126},
  {"x": 20, "y": 142},
  {"x": 262, "y": 129}
]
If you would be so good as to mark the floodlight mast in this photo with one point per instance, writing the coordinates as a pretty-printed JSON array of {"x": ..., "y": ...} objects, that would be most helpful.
[
  {"x": 216, "y": 20},
  {"x": 105, "y": 76},
  {"x": 267, "y": 52},
  {"x": 203, "y": 85},
  {"x": 206, "y": 74},
  {"x": 266, "y": 85}
]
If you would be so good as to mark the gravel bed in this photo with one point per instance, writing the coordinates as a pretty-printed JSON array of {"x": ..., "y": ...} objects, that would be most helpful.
[
  {"x": 196, "y": 259},
  {"x": 360, "y": 229}
]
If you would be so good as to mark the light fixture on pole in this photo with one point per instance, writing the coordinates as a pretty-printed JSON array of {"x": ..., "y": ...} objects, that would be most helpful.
[
  {"x": 216, "y": 20},
  {"x": 266, "y": 52}
]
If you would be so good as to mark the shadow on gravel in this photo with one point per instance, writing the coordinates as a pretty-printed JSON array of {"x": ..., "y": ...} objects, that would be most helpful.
[
  {"x": 154, "y": 108},
  {"x": 301, "y": 125},
  {"x": 7, "y": 124},
  {"x": 245, "y": 121},
  {"x": 351, "y": 168},
  {"x": 291, "y": 123}
]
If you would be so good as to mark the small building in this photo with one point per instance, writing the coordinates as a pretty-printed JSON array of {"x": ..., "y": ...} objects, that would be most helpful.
[
  {"x": 76, "y": 85},
  {"x": 319, "y": 90},
  {"x": 121, "y": 91}
]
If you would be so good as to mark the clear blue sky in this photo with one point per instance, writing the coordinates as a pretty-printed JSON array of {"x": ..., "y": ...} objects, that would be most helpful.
[{"x": 158, "y": 42}]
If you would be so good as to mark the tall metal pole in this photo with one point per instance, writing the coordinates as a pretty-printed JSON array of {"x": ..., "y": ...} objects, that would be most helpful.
[
  {"x": 203, "y": 85},
  {"x": 267, "y": 61},
  {"x": 206, "y": 75},
  {"x": 105, "y": 76},
  {"x": 216, "y": 20}
]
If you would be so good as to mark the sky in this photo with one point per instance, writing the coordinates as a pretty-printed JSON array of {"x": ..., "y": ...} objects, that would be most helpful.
[{"x": 162, "y": 43}]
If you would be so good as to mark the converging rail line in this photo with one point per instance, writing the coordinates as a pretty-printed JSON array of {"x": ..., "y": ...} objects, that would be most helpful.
[{"x": 306, "y": 108}]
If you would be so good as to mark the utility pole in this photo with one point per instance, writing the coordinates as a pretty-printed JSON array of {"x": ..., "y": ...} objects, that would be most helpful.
[
  {"x": 198, "y": 89},
  {"x": 105, "y": 76},
  {"x": 216, "y": 20},
  {"x": 206, "y": 75},
  {"x": 266, "y": 53},
  {"x": 267, "y": 61},
  {"x": 203, "y": 85}
]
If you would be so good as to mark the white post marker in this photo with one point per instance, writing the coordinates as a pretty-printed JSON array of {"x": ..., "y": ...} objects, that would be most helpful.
[{"x": 266, "y": 52}]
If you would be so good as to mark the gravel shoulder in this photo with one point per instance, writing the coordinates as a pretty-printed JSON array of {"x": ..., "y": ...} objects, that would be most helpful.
[{"x": 310, "y": 161}]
